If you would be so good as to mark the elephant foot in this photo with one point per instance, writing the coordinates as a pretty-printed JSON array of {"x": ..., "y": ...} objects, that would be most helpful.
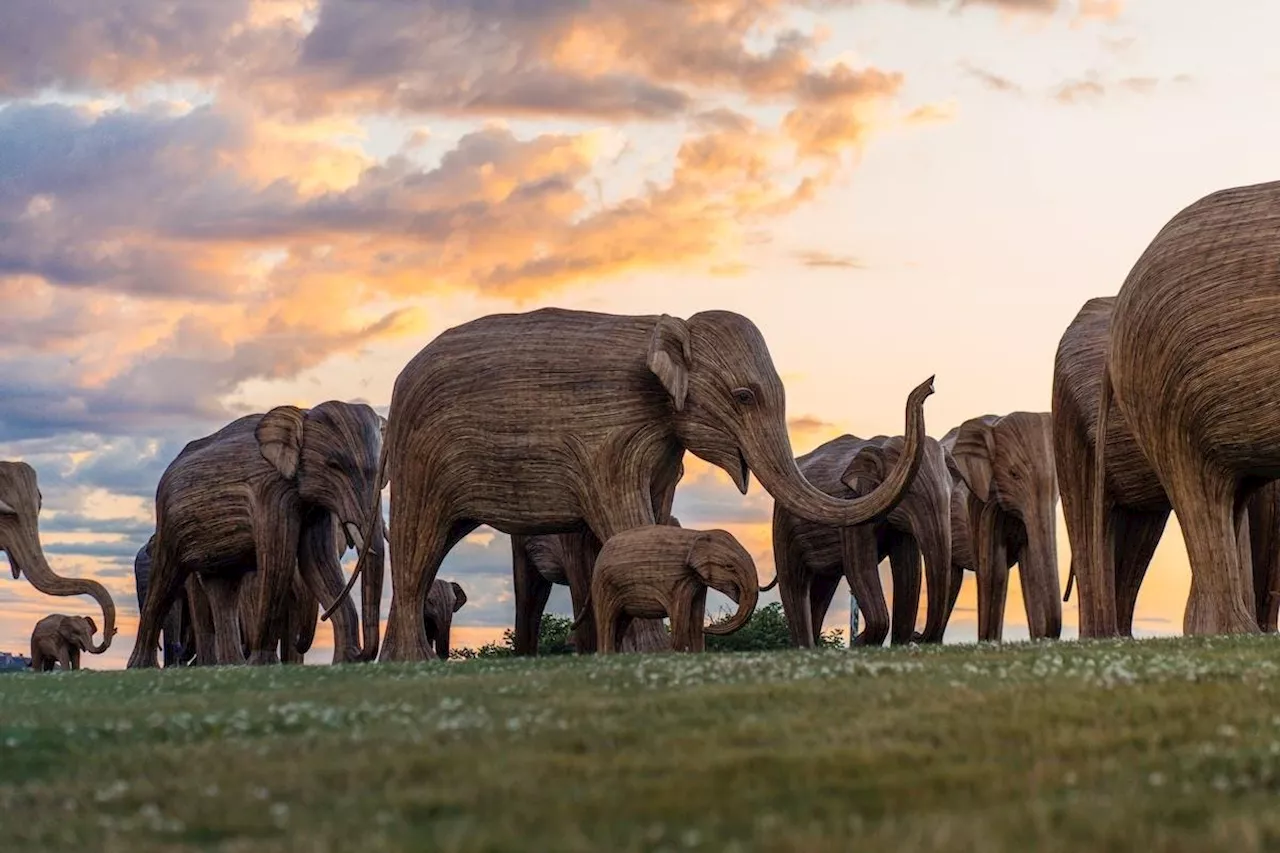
[
  {"x": 397, "y": 650},
  {"x": 267, "y": 658},
  {"x": 346, "y": 655},
  {"x": 140, "y": 659},
  {"x": 1206, "y": 617}
]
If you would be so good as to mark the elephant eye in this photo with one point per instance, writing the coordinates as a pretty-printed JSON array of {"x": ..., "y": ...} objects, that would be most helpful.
[{"x": 745, "y": 396}]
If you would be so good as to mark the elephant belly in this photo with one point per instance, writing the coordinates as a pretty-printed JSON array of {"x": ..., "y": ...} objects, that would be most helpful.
[
  {"x": 1130, "y": 479},
  {"x": 819, "y": 549}
]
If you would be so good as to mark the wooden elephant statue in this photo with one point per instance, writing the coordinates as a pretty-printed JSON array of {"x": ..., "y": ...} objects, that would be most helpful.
[
  {"x": 552, "y": 421},
  {"x": 58, "y": 640},
  {"x": 657, "y": 570},
  {"x": 538, "y": 562},
  {"x": 1128, "y": 500},
  {"x": 1004, "y": 512},
  {"x": 811, "y": 558},
  {"x": 265, "y": 492},
  {"x": 445, "y": 599},
  {"x": 20, "y": 504}
]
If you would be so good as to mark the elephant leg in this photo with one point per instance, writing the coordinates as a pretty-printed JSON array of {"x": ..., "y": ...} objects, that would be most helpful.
[
  {"x": 64, "y": 657},
  {"x": 905, "y": 563},
  {"x": 223, "y": 592},
  {"x": 580, "y": 550},
  {"x": 1243, "y": 548},
  {"x": 204, "y": 635},
  {"x": 532, "y": 591},
  {"x": 793, "y": 578},
  {"x": 1136, "y": 536},
  {"x": 172, "y": 634},
  {"x": 697, "y": 616},
  {"x": 411, "y": 579},
  {"x": 862, "y": 569},
  {"x": 320, "y": 570},
  {"x": 277, "y": 538},
  {"x": 1096, "y": 593},
  {"x": 646, "y": 635},
  {"x": 608, "y": 630},
  {"x": 991, "y": 552},
  {"x": 1264, "y": 541},
  {"x": 957, "y": 581},
  {"x": 163, "y": 586},
  {"x": 822, "y": 588},
  {"x": 1204, "y": 501},
  {"x": 74, "y": 655}
]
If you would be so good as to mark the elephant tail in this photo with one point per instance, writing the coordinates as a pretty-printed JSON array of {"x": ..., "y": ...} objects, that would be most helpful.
[
  {"x": 1071, "y": 577},
  {"x": 771, "y": 584}
]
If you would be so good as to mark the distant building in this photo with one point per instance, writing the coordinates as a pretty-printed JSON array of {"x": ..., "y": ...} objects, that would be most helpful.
[{"x": 9, "y": 662}]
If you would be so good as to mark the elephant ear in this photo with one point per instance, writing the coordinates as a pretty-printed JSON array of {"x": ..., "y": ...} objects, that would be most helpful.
[
  {"x": 70, "y": 628},
  {"x": 671, "y": 335},
  {"x": 279, "y": 435},
  {"x": 866, "y": 469},
  {"x": 699, "y": 557},
  {"x": 973, "y": 453},
  {"x": 459, "y": 596}
]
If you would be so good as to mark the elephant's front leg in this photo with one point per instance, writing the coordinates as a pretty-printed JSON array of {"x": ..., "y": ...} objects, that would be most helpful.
[
  {"x": 532, "y": 591},
  {"x": 204, "y": 636},
  {"x": 321, "y": 571},
  {"x": 277, "y": 532},
  {"x": 223, "y": 593},
  {"x": 904, "y": 562},
  {"x": 862, "y": 570}
]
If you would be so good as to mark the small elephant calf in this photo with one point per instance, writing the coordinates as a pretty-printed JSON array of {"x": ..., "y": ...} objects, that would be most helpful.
[
  {"x": 59, "y": 639},
  {"x": 443, "y": 600},
  {"x": 657, "y": 570}
]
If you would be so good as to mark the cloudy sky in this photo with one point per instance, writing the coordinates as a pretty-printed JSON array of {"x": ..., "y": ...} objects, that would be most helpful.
[{"x": 210, "y": 208}]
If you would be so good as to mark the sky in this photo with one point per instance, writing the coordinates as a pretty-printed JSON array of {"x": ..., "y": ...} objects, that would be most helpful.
[{"x": 212, "y": 208}]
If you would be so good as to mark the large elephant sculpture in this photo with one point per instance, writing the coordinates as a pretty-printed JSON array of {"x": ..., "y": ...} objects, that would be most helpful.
[
  {"x": 539, "y": 562},
  {"x": 811, "y": 558},
  {"x": 658, "y": 570},
  {"x": 59, "y": 639},
  {"x": 445, "y": 599},
  {"x": 20, "y": 504},
  {"x": 264, "y": 492},
  {"x": 293, "y": 632},
  {"x": 1193, "y": 367},
  {"x": 1004, "y": 512},
  {"x": 552, "y": 420},
  {"x": 1135, "y": 504}
]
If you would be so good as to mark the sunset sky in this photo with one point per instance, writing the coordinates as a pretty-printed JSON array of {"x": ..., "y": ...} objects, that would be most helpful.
[{"x": 211, "y": 208}]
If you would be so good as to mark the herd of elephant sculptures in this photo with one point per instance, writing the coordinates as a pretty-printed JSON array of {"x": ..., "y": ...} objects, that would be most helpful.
[{"x": 567, "y": 430}]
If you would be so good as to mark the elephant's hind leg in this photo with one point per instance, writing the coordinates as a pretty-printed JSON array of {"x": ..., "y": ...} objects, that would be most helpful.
[
  {"x": 411, "y": 579},
  {"x": 862, "y": 568},
  {"x": 1204, "y": 501},
  {"x": 904, "y": 562},
  {"x": 532, "y": 591},
  {"x": 164, "y": 584},
  {"x": 822, "y": 589},
  {"x": 1136, "y": 536}
]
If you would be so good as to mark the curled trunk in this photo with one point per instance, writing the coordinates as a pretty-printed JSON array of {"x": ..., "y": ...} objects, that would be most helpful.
[
  {"x": 748, "y": 595},
  {"x": 771, "y": 458},
  {"x": 32, "y": 562}
]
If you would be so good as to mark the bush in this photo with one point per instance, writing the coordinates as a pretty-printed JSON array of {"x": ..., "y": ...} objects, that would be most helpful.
[
  {"x": 765, "y": 630},
  {"x": 554, "y": 635}
]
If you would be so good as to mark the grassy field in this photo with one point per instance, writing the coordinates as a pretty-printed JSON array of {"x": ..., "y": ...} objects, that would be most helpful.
[{"x": 1154, "y": 745}]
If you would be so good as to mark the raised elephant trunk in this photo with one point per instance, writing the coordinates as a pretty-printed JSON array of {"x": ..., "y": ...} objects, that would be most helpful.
[
  {"x": 770, "y": 457},
  {"x": 747, "y": 596},
  {"x": 32, "y": 562}
]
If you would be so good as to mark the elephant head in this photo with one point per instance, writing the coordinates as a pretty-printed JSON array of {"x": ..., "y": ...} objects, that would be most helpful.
[
  {"x": 1009, "y": 461},
  {"x": 445, "y": 599},
  {"x": 720, "y": 562},
  {"x": 729, "y": 409},
  {"x": 924, "y": 512},
  {"x": 331, "y": 453},
  {"x": 78, "y": 631},
  {"x": 20, "y": 503}
]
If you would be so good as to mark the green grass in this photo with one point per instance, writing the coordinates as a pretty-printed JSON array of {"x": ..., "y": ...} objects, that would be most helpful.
[{"x": 1152, "y": 746}]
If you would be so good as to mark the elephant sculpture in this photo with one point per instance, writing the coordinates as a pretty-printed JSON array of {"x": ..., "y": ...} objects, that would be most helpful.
[
  {"x": 1132, "y": 498},
  {"x": 292, "y": 633},
  {"x": 553, "y": 420},
  {"x": 538, "y": 562},
  {"x": 445, "y": 599},
  {"x": 1004, "y": 504},
  {"x": 657, "y": 570},
  {"x": 265, "y": 492},
  {"x": 20, "y": 504},
  {"x": 1193, "y": 367},
  {"x": 59, "y": 639},
  {"x": 811, "y": 558}
]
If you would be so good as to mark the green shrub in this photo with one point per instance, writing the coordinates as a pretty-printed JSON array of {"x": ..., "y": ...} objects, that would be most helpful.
[{"x": 765, "y": 630}]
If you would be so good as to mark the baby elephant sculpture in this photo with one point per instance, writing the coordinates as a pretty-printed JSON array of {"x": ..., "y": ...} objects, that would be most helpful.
[
  {"x": 59, "y": 639},
  {"x": 656, "y": 570},
  {"x": 445, "y": 599}
]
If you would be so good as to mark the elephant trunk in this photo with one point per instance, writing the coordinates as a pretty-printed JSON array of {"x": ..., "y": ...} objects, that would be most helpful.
[
  {"x": 1038, "y": 567},
  {"x": 773, "y": 462},
  {"x": 371, "y": 586},
  {"x": 31, "y": 561},
  {"x": 935, "y": 544},
  {"x": 748, "y": 594}
]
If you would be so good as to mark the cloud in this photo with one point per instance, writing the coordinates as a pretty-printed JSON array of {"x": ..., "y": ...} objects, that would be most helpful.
[
  {"x": 991, "y": 80},
  {"x": 1094, "y": 87},
  {"x": 818, "y": 258}
]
